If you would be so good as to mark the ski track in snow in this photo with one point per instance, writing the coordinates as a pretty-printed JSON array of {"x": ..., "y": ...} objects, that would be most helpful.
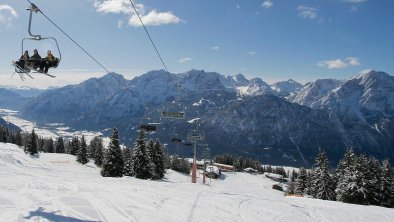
[{"x": 54, "y": 187}]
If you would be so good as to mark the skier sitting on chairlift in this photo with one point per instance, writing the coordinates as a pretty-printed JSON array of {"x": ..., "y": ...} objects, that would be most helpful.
[
  {"x": 48, "y": 62},
  {"x": 35, "y": 59},
  {"x": 24, "y": 60}
]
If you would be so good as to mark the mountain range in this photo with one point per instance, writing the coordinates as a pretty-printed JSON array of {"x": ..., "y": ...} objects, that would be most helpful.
[{"x": 283, "y": 123}]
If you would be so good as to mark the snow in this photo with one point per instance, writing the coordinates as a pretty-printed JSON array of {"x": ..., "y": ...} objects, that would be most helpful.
[
  {"x": 54, "y": 187},
  {"x": 193, "y": 120},
  {"x": 273, "y": 176},
  {"x": 53, "y": 130}
]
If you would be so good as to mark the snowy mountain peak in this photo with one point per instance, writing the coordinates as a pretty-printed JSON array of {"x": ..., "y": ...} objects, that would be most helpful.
[
  {"x": 240, "y": 80},
  {"x": 286, "y": 88}
]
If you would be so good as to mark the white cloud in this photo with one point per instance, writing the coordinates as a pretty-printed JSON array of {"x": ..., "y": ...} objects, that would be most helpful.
[
  {"x": 353, "y": 61},
  {"x": 183, "y": 60},
  {"x": 307, "y": 12},
  {"x": 339, "y": 63},
  {"x": 153, "y": 17},
  {"x": 252, "y": 53},
  {"x": 7, "y": 15},
  {"x": 267, "y": 4},
  {"x": 215, "y": 47},
  {"x": 355, "y": 1},
  {"x": 238, "y": 6}
]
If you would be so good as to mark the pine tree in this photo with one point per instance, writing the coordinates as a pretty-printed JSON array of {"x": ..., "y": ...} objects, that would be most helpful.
[
  {"x": 128, "y": 162},
  {"x": 40, "y": 144},
  {"x": 99, "y": 153},
  {"x": 374, "y": 175},
  {"x": 345, "y": 175},
  {"x": 387, "y": 185},
  {"x": 294, "y": 176},
  {"x": 18, "y": 138},
  {"x": 309, "y": 189},
  {"x": 94, "y": 143},
  {"x": 60, "y": 145},
  {"x": 156, "y": 155},
  {"x": 74, "y": 146},
  {"x": 113, "y": 160},
  {"x": 49, "y": 146},
  {"x": 301, "y": 182},
  {"x": 141, "y": 161},
  {"x": 31, "y": 144},
  {"x": 82, "y": 156},
  {"x": 323, "y": 185}
]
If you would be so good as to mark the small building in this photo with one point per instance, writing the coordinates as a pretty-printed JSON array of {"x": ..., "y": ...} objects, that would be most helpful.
[
  {"x": 224, "y": 167},
  {"x": 250, "y": 170}
]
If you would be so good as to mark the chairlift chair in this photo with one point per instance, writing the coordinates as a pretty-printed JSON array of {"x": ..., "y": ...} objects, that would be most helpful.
[
  {"x": 173, "y": 110},
  {"x": 27, "y": 69},
  {"x": 148, "y": 128},
  {"x": 175, "y": 138},
  {"x": 188, "y": 143}
]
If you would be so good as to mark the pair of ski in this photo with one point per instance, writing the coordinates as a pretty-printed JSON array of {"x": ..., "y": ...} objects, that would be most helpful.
[{"x": 21, "y": 71}]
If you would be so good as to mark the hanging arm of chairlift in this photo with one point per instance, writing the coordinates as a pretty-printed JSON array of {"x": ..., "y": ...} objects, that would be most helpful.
[{"x": 35, "y": 9}]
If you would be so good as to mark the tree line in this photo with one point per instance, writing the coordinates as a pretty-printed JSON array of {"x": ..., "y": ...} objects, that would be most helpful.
[
  {"x": 358, "y": 179},
  {"x": 145, "y": 160}
]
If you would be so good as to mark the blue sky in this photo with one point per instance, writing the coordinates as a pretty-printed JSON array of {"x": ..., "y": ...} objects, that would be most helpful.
[{"x": 273, "y": 39}]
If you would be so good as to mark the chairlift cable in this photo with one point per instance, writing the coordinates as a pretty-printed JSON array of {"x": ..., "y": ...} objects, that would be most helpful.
[
  {"x": 153, "y": 44},
  {"x": 147, "y": 33}
]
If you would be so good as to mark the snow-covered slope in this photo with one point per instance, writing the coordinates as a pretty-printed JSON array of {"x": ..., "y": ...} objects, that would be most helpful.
[
  {"x": 313, "y": 92},
  {"x": 54, "y": 187}
]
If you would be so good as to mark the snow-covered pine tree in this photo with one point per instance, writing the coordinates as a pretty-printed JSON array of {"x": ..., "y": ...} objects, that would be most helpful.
[
  {"x": 374, "y": 176},
  {"x": 99, "y": 153},
  {"x": 323, "y": 185},
  {"x": 345, "y": 175},
  {"x": 31, "y": 144},
  {"x": 74, "y": 146},
  {"x": 309, "y": 189},
  {"x": 82, "y": 156},
  {"x": 294, "y": 175},
  {"x": 387, "y": 185},
  {"x": 60, "y": 145},
  {"x": 360, "y": 186},
  {"x": 113, "y": 160},
  {"x": 94, "y": 143},
  {"x": 156, "y": 155},
  {"x": 301, "y": 182},
  {"x": 141, "y": 161},
  {"x": 128, "y": 162},
  {"x": 159, "y": 160},
  {"x": 49, "y": 146}
]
